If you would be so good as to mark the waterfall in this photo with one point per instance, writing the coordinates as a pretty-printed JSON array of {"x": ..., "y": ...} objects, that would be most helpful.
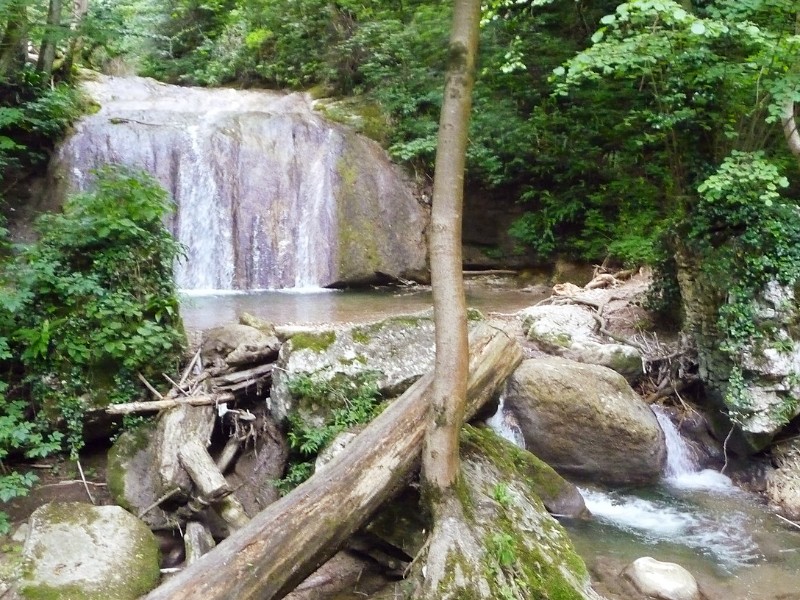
[
  {"x": 682, "y": 469},
  {"x": 268, "y": 194},
  {"x": 680, "y": 458},
  {"x": 505, "y": 424}
]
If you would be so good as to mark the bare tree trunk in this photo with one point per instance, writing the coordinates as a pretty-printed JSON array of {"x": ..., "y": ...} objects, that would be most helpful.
[
  {"x": 79, "y": 10},
  {"x": 14, "y": 39},
  {"x": 788, "y": 119},
  {"x": 441, "y": 470},
  {"x": 440, "y": 454},
  {"x": 47, "y": 53},
  {"x": 288, "y": 540}
]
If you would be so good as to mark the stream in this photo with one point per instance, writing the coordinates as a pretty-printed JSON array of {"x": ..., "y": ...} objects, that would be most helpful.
[
  {"x": 733, "y": 545},
  {"x": 316, "y": 306}
]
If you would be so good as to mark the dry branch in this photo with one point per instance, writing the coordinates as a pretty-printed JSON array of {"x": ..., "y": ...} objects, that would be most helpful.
[{"x": 159, "y": 405}]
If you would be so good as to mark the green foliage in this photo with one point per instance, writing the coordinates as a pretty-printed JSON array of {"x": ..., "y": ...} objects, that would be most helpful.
[
  {"x": 356, "y": 402},
  {"x": 747, "y": 236},
  {"x": 94, "y": 299},
  {"x": 501, "y": 494},
  {"x": 33, "y": 115}
]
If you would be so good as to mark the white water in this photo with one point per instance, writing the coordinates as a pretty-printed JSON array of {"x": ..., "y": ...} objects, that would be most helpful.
[
  {"x": 504, "y": 424},
  {"x": 696, "y": 511},
  {"x": 682, "y": 470},
  {"x": 269, "y": 195}
]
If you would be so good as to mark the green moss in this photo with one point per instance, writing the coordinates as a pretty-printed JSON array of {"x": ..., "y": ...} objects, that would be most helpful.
[
  {"x": 141, "y": 567},
  {"x": 474, "y": 315},
  {"x": 540, "y": 477},
  {"x": 365, "y": 116},
  {"x": 363, "y": 334},
  {"x": 316, "y": 342},
  {"x": 128, "y": 444}
]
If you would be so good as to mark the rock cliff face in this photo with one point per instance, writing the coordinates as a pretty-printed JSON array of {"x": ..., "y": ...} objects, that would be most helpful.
[
  {"x": 766, "y": 395},
  {"x": 269, "y": 194}
]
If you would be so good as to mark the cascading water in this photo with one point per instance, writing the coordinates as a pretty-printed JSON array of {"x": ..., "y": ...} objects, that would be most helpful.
[
  {"x": 695, "y": 510},
  {"x": 269, "y": 194},
  {"x": 684, "y": 513},
  {"x": 504, "y": 424}
]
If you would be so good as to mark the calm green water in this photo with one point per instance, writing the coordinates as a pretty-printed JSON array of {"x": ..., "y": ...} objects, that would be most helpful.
[{"x": 327, "y": 306}]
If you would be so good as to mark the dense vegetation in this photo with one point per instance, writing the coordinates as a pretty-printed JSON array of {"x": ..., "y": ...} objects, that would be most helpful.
[{"x": 85, "y": 309}]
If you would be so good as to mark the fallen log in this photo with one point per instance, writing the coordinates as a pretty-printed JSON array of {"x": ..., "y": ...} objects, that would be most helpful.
[
  {"x": 252, "y": 375},
  {"x": 291, "y": 538}
]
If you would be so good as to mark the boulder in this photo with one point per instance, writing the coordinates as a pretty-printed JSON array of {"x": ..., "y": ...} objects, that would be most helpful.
[
  {"x": 586, "y": 421},
  {"x": 662, "y": 580},
  {"x": 507, "y": 545},
  {"x": 397, "y": 351},
  {"x": 558, "y": 495},
  {"x": 569, "y": 331},
  {"x": 77, "y": 551},
  {"x": 236, "y": 345},
  {"x": 132, "y": 479}
]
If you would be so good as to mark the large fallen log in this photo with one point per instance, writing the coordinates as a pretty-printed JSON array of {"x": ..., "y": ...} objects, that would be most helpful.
[{"x": 291, "y": 538}]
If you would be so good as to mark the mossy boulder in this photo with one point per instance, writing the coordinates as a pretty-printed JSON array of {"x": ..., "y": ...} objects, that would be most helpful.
[
  {"x": 77, "y": 551},
  {"x": 396, "y": 351},
  {"x": 504, "y": 544},
  {"x": 569, "y": 331},
  {"x": 131, "y": 475},
  {"x": 586, "y": 421}
]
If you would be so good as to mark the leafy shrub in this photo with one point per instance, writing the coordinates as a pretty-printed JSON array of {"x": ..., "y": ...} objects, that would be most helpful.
[
  {"x": 96, "y": 302},
  {"x": 357, "y": 399}
]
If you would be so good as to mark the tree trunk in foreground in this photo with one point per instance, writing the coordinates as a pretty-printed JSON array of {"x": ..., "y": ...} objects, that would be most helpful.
[
  {"x": 440, "y": 454},
  {"x": 287, "y": 541}
]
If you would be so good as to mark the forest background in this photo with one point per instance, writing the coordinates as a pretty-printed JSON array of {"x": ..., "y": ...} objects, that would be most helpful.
[{"x": 631, "y": 132}]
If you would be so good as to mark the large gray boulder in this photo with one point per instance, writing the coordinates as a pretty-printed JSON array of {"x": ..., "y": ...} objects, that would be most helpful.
[
  {"x": 397, "y": 350},
  {"x": 569, "y": 331},
  {"x": 586, "y": 421},
  {"x": 77, "y": 551}
]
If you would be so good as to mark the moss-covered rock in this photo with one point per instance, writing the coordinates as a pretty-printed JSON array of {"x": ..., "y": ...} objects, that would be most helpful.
[
  {"x": 499, "y": 544},
  {"x": 397, "y": 350},
  {"x": 77, "y": 551},
  {"x": 131, "y": 475},
  {"x": 569, "y": 331}
]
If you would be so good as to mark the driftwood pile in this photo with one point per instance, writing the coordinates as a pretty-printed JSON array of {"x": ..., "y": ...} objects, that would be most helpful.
[
  {"x": 227, "y": 379},
  {"x": 285, "y": 543}
]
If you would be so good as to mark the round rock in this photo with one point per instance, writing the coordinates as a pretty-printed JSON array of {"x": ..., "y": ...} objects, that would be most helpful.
[
  {"x": 77, "y": 551},
  {"x": 662, "y": 580}
]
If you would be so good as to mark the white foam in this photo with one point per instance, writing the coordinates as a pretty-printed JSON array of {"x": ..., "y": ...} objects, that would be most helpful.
[{"x": 724, "y": 539}]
